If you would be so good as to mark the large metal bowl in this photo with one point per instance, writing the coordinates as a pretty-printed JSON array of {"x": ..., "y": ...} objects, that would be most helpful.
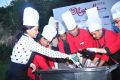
[{"x": 92, "y": 73}]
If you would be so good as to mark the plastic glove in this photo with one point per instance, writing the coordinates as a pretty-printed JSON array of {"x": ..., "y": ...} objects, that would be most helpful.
[
  {"x": 80, "y": 57},
  {"x": 74, "y": 59},
  {"x": 87, "y": 54},
  {"x": 33, "y": 66},
  {"x": 88, "y": 62},
  {"x": 92, "y": 49},
  {"x": 92, "y": 65},
  {"x": 71, "y": 66}
]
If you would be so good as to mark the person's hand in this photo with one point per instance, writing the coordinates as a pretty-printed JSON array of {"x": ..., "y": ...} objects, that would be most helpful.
[
  {"x": 33, "y": 66},
  {"x": 80, "y": 57},
  {"x": 87, "y": 54},
  {"x": 54, "y": 68},
  {"x": 91, "y": 65},
  {"x": 71, "y": 66},
  {"x": 74, "y": 58}
]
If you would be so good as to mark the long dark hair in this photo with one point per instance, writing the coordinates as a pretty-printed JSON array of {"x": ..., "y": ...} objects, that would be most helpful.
[{"x": 23, "y": 30}]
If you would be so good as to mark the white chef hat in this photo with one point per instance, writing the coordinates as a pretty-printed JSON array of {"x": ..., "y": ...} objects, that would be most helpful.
[
  {"x": 93, "y": 26},
  {"x": 92, "y": 13},
  {"x": 69, "y": 20},
  {"x": 61, "y": 29},
  {"x": 115, "y": 10},
  {"x": 49, "y": 32},
  {"x": 30, "y": 17},
  {"x": 52, "y": 21},
  {"x": 94, "y": 22}
]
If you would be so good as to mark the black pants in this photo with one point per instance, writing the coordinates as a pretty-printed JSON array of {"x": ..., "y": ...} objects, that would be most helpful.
[{"x": 17, "y": 72}]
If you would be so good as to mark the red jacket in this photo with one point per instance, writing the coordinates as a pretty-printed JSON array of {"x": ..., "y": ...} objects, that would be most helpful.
[
  {"x": 108, "y": 38},
  {"x": 61, "y": 46},
  {"x": 115, "y": 46},
  {"x": 70, "y": 41},
  {"x": 41, "y": 62},
  {"x": 82, "y": 41}
]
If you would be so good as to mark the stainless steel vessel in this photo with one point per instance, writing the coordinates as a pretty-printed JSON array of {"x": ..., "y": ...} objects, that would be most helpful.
[{"x": 92, "y": 73}]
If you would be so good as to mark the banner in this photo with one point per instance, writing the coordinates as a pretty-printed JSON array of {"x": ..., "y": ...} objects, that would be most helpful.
[{"x": 79, "y": 14}]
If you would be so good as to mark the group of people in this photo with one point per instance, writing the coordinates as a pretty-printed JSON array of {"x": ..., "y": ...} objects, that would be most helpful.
[{"x": 92, "y": 47}]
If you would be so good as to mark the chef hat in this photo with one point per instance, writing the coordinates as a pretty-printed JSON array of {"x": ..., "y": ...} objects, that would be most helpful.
[
  {"x": 69, "y": 20},
  {"x": 49, "y": 32},
  {"x": 30, "y": 17},
  {"x": 92, "y": 13},
  {"x": 93, "y": 26},
  {"x": 115, "y": 10},
  {"x": 94, "y": 22},
  {"x": 61, "y": 29},
  {"x": 52, "y": 21}
]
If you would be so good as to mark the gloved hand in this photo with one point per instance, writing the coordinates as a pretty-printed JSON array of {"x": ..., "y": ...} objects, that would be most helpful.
[
  {"x": 80, "y": 56},
  {"x": 87, "y": 54},
  {"x": 33, "y": 66},
  {"x": 87, "y": 63},
  {"x": 92, "y": 49},
  {"x": 71, "y": 66},
  {"x": 74, "y": 58},
  {"x": 92, "y": 65}
]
